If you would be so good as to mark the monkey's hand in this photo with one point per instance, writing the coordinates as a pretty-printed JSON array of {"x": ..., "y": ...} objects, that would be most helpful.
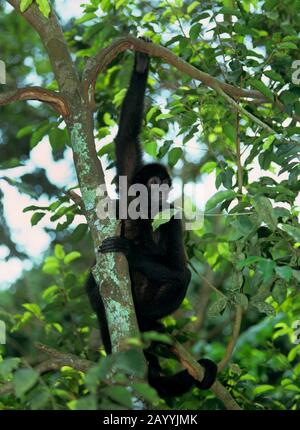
[
  {"x": 142, "y": 59},
  {"x": 118, "y": 244}
]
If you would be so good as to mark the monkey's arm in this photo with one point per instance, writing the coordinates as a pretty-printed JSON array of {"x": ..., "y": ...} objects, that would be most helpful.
[{"x": 128, "y": 152}]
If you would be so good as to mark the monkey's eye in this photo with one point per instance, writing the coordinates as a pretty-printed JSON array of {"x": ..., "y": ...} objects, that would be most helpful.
[{"x": 155, "y": 180}]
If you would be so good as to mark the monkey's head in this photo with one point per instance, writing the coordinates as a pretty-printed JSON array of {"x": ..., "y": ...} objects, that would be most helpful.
[{"x": 157, "y": 180}]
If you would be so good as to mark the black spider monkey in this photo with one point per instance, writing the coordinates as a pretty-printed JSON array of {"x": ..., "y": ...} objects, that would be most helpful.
[{"x": 157, "y": 262}]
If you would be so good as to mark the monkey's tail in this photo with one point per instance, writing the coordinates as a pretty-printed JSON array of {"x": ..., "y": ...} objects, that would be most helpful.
[{"x": 181, "y": 382}]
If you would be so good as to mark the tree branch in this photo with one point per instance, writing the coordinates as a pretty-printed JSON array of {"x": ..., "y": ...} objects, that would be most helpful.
[
  {"x": 99, "y": 62},
  {"x": 71, "y": 194},
  {"x": 196, "y": 371},
  {"x": 72, "y": 360},
  {"x": 36, "y": 93},
  {"x": 58, "y": 361},
  {"x": 52, "y": 37},
  {"x": 234, "y": 337}
]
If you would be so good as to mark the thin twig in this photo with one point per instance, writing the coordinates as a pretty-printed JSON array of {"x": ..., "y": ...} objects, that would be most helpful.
[
  {"x": 234, "y": 337},
  {"x": 72, "y": 360},
  {"x": 76, "y": 198},
  {"x": 207, "y": 281},
  {"x": 238, "y": 155}
]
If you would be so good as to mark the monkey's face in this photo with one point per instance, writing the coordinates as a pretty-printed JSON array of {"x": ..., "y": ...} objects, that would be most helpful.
[
  {"x": 158, "y": 190},
  {"x": 157, "y": 182}
]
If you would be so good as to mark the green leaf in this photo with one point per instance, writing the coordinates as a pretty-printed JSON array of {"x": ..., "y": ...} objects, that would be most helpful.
[
  {"x": 38, "y": 134},
  {"x": 241, "y": 299},
  {"x": 217, "y": 307},
  {"x": 119, "y": 97},
  {"x": 79, "y": 232},
  {"x": 24, "y": 4},
  {"x": 228, "y": 10},
  {"x": 57, "y": 138},
  {"x": 248, "y": 261},
  {"x": 159, "y": 337},
  {"x": 50, "y": 293},
  {"x": 195, "y": 30},
  {"x": 219, "y": 197},
  {"x": 174, "y": 155},
  {"x": 72, "y": 256},
  {"x": 119, "y": 394},
  {"x": 279, "y": 292},
  {"x": 287, "y": 45},
  {"x": 130, "y": 362},
  {"x": 273, "y": 75},
  {"x": 293, "y": 353},
  {"x": 39, "y": 398},
  {"x": 151, "y": 148},
  {"x": 265, "y": 211},
  {"x": 51, "y": 268},
  {"x": 164, "y": 116},
  {"x": 23, "y": 380},
  {"x": 296, "y": 275},
  {"x": 266, "y": 266},
  {"x": 44, "y": 7},
  {"x": 208, "y": 167},
  {"x": 36, "y": 217},
  {"x": 164, "y": 149},
  {"x": 158, "y": 131},
  {"x": 87, "y": 403},
  {"x": 285, "y": 272},
  {"x": 230, "y": 132},
  {"x": 59, "y": 251},
  {"x": 147, "y": 392},
  {"x": 260, "y": 389},
  {"x": 86, "y": 17},
  {"x": 108, "y": 120},
  {"x": 268, "y": 142},
  {"x": 265, "y": 308},
  {"x": 297, "y": 108},
  {"x": 34, "y": 309},
  {"x": 151, "y": 112},
  {"x": 57, "y": 327},
  {"x": 192, "y": 6},
  {"x": 8, "y": 365},
  {"x": 294, "y": 232},
  {"x": 260, "y": 86},
  {"x": 11, "y": 163}
]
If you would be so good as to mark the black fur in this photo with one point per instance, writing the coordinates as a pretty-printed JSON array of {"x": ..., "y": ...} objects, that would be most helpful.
[{"x": 157, "y": 263}]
